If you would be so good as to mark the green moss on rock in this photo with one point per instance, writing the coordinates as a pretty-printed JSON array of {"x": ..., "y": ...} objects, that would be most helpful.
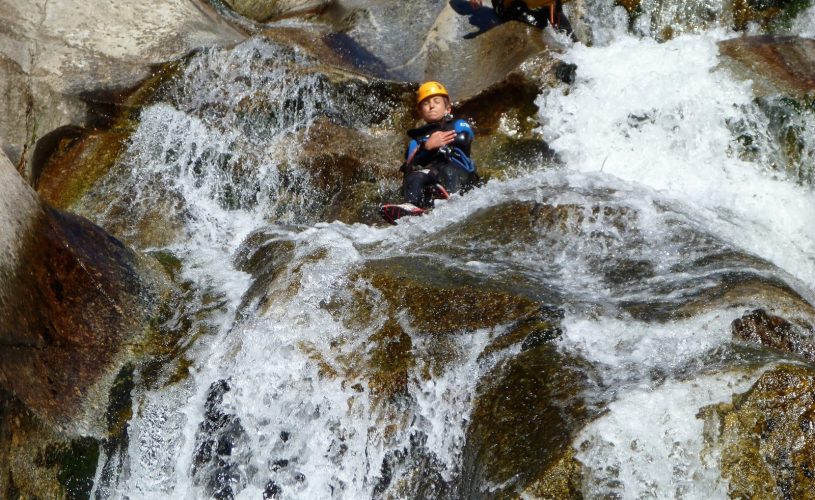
[
  {"x": 522, "y": 426},
  {"x": 75, "y": 463},
  {"x": 767, "y": 436}
]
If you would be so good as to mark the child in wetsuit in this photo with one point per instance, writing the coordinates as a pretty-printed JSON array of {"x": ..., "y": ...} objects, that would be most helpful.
[
  {"x": 536, "y": 12},
  {"x": 438, "y": 156}
]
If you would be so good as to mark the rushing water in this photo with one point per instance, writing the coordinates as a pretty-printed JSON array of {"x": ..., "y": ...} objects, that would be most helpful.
[{"x": 654, "y": 177}]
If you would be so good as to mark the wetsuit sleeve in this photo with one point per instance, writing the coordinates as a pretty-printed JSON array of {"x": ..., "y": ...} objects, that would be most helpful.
[
  {"x": 411, "y": 149},
  {"x": 464, "y": 134}
]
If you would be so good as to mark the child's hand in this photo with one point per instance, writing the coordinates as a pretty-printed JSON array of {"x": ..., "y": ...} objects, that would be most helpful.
[
  {"x": 475, "y": 3},
  {"x": 438, "y": 139}
]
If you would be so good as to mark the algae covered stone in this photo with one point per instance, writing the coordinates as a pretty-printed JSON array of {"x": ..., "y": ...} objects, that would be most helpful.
[{"x": 767, "y": 435}]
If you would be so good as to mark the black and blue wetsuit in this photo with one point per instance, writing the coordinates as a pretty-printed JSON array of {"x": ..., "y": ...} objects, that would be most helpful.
[{"x": 448, "y": 165}]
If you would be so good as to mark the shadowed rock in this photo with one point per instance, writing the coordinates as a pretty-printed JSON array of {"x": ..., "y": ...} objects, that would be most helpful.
[
  {"x": 437, "y": 45},
  {"x": 522, "y": 426},
  {"x": 55, "y": 56},
  {"x": 264, "y": 10}
]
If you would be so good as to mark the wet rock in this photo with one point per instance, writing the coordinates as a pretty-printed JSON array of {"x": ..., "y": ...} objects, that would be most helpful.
[
  {"x": 272, "y": 490},
  {"x": 773, "y": 16},
  {"x": 220, "y": 447},
  {"x": 531, "y": 331},
  {"x": 413, "y": 472},
  {"x": 505, "y": 118},
  {"x": 69, "y": 160},
  {"x": 53, "y": 63},
  {"x": 522, "y": 425},
  {"x": 747, "y": 289},
  {"x": 775, "y": 64},
  {"x": 790, "y": 121},
  {"x": 766, "y": 436},
  {"x": 422, "y": 302},
  {"x": 346, "y": 167},
  {"x": 776, "y": 332},
  {"x": 85, "y": 297},
  {"x": 391, "y": 359},
  {"x": 446, "y": 42},
  {"x": 37, "y": 462},
  {"x": 442, "y": 300},
  {"x": 264, "y": 10}
]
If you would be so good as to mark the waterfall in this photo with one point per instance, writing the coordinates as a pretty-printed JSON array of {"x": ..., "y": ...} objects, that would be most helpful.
[{"x": 671, "y": 184}]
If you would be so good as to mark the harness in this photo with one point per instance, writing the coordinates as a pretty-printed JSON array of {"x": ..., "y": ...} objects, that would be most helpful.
[{"x": 458, "y": 152}]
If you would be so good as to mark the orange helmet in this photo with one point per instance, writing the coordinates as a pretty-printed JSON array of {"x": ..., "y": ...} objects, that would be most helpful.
[{"x": 429, "y": 89}]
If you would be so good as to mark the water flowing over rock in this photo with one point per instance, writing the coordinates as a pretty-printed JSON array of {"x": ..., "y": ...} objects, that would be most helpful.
[
  {"x": 75, "y": 306},
  {"x": 73, "y": 300},
  {"x": 576, "y": 326},
  {"x": 62, "y": 60},
  {"x": 777, "y": 333}
]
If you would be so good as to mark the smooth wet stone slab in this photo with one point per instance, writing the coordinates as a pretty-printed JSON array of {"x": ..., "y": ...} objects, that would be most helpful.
[{"x": 775, "y": 64}]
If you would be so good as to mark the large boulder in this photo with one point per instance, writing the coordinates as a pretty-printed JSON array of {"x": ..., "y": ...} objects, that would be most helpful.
[
  {"x": 447, "y": 41},
  {"x": 61, "y": 61},
  {"x": 73, "y": 301}
]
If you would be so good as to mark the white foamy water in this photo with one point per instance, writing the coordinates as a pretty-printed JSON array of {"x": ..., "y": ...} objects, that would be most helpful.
[
  {"x": 804, "y": 24},
  {"x": 650, "y": 444},
  {"x": 660, "y": 115}
]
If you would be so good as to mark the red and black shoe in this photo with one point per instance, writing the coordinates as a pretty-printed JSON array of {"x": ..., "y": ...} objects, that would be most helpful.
[{"x": 392, "y": 213}]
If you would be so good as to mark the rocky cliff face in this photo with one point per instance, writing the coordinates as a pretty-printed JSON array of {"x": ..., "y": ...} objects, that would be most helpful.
[{"x": 61, "y": 62}]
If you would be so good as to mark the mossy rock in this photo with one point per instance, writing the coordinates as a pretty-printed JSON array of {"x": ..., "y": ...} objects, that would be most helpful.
[
  {"x": 37, "y": 462},
  {"x": 522, "y": 425},
  {"x": 79, "y": 159},
  {"x": 418, "y": 298},
  {"x": 772, "y": 15},
  {"x": 77, "y": 164},
  {"x": 789, "y": 120},
  {"x": 766, "y": 436},
  {"x": 439, "y": 300}
]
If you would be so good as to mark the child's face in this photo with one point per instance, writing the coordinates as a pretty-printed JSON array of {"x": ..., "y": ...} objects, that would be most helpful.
[{"x": 434, "y": 108}]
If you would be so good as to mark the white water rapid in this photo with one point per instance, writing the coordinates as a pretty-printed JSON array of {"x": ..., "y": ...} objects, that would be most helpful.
[{"x": 648, "y": 133}]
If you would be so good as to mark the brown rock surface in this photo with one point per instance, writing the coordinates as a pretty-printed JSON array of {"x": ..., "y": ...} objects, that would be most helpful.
[
  {"x": 767, "y": 436},
  {"x": 775, "y": 64},
  {"x": 73, "y": 300},
  {"x": 776, "y": 332},
  {"x": 264, "y": 10}
]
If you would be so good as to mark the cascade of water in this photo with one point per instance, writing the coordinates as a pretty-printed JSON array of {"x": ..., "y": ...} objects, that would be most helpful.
[
  {"x": 664, "y": 118},
  {"x": 277, "y": 402}
]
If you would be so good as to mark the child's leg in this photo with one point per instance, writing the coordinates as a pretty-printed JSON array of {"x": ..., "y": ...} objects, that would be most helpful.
[
  {"x": 415, "y": 186},
  {"x": 454, "y": 178}
]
